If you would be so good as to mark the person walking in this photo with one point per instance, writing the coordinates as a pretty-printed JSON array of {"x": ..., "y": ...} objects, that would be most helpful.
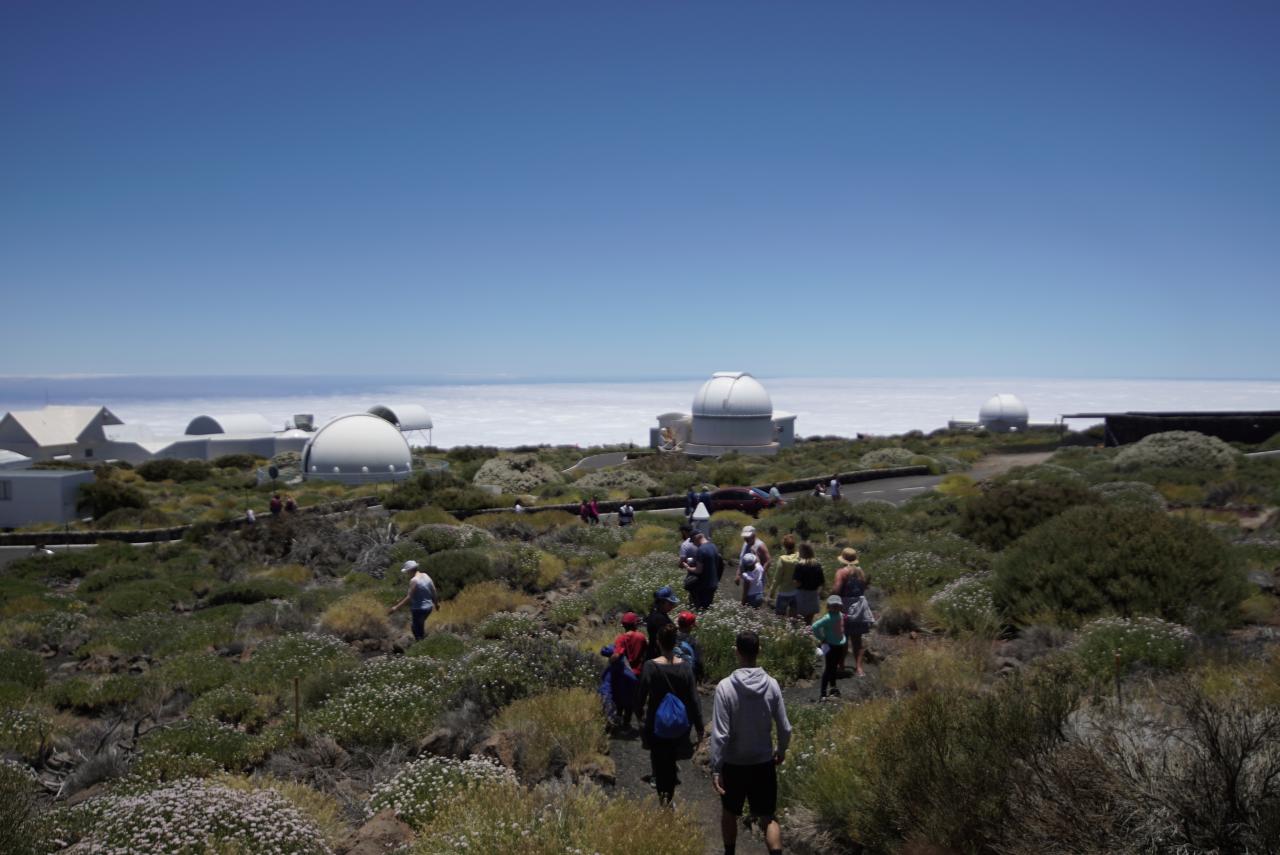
[
  {"x": 782, "y": 582},
  {"x": 690, "y": 504},
  {"x": 594, "y": 510},
  {"x": 687, "y": 646},
  {"x": 748, "y": 708},
  {"x": 626, "y": 513},
  {"x": 276, "y": 505},
  {"x": 752, "y": 574},
  {"x": 708, "y": 566},
  {"x": 664, "y": 600},
  {"x": 667, "y": 723},
  {"x": 629, "y": 649},
  {"x": 776, "y": 495},
  {"x": 421, "y": 597},
  {"x": 584, "y": 512},
  {"x": 751, "y": 544},
  {"x": 688, "y": 549},
  {"x": 850, "y": 583},
  {"x": 809, "y": 581},
  {"x": 829, "y": 630},
  {"x": 833, "y": 488}
]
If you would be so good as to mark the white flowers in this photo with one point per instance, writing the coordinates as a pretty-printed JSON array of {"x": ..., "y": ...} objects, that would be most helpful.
[{"x": 419, "y": 789}]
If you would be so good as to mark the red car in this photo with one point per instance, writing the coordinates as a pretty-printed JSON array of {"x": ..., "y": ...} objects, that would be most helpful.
[{"x": 749, "y": 500}]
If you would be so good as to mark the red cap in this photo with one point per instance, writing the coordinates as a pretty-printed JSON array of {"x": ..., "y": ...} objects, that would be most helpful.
[
  {"x": 686, "y": 619},
  {"x": 630, "y": 619}
]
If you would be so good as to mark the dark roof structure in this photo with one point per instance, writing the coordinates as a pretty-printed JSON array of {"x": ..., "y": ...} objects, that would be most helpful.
[{"x": 1124, "y": 428}]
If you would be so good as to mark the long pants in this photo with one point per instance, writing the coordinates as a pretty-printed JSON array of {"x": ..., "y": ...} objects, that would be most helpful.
[
  {"x": 420, "y": 623},
  {"x": 663, "y": 754},
  {"x": 831, "y": 669},
  {"x": 702, "y": 597}
]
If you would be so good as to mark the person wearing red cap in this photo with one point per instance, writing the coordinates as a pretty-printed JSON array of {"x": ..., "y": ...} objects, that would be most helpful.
[
  {"x": 631, "y": 646},
  {"x": 687, "y": 645}
]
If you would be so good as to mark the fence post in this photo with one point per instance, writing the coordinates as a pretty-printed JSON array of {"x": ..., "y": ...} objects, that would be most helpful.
[
  {"x": 1118, "y": 676},
  {"x": 297, "y": 708}
]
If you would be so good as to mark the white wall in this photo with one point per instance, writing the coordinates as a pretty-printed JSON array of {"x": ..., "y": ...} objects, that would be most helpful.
[{"x": 37, "y": 498}]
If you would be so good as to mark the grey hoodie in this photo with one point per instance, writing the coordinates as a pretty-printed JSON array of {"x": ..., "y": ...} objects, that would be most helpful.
[{"x": 748, "y": 704}]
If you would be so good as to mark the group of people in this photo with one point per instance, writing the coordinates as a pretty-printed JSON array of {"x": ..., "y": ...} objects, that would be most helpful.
[
  {"x": 282, "y": 504},
  {"x": 654, "y": 675},
  {"x": 589, "y": 512},
  {"x": 830, "y": 490}
]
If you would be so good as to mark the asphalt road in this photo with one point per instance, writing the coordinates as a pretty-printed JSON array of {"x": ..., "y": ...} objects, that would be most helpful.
[{"x": 894, "y": 490}]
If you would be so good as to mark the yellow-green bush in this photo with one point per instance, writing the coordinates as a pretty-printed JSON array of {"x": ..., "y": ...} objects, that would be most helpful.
[
  {"x": 932, "y": 667},
  {"x": 356, "y": 616},
  {"x": 646, "y": 539},
  {"x": 565, "y": 727},
  {"x": 475, "y": 603}
]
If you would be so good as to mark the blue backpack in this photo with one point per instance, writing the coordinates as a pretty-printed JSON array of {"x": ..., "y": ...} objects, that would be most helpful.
[{"x": 671, "y": 720}]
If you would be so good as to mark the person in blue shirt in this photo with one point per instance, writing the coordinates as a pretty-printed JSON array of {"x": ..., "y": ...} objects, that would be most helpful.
[{"x": 421, "y": 597}]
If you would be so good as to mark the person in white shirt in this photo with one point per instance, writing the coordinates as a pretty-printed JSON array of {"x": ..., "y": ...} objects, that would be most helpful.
[{"x": 752, "y": 573}]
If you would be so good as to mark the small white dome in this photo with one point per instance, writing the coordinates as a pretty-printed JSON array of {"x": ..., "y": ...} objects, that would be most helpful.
[
  {"x": 1003, "y": 412},
  {"x": 734, "y": 395},
  {"x": 358, "y": 447}
]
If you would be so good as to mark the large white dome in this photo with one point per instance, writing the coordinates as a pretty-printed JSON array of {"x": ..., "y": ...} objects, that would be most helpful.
[
  {"x": 358, "y": 447},
  {"x": 1003, "y": 412},
  {"x": 733, "y": 395}
]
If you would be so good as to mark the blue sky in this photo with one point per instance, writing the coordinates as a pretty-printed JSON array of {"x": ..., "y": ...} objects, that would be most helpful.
[{"x": 604, "y": 189}]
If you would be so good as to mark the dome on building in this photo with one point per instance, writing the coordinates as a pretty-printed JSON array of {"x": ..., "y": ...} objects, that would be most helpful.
[
  {"x": 732, "y": 395},
  {"x": 356, "y": 448},
  {"x": 1003, "y": 413}
]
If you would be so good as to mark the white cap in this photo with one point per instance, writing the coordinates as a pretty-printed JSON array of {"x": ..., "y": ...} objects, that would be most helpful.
[
  {"x": 748, "y": 530},
  {"x": 749, "y": 560},
  {"x": 409, "y": 565}
]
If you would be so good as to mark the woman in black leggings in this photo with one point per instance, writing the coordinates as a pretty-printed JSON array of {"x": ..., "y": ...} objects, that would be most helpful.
[{"x": 668, "y": 674}]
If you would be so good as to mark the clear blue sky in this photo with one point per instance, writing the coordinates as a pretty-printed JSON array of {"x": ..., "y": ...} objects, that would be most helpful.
[{"x": 545, "y": 188}]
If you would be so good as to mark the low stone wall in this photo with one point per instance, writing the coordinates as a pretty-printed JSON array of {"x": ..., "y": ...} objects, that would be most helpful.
[{"x": 658, "y": 503}]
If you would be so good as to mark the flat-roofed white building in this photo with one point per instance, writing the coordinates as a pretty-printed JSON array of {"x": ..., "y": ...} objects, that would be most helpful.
[
  {"x": 30, "y": 496},
  {"x": 57, "y": 431}
]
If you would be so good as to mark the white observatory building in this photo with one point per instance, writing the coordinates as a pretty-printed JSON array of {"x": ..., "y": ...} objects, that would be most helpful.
[
  {"x": 358, "y": 448},
  {"x": 1003, "y": 413},
  {"x": 731, "y": 412}
]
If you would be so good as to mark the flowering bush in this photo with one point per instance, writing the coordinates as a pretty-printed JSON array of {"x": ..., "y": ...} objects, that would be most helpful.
[
  {"x": 195, "y": 673},
  {"x": 632, "y": 582},
  {"x": 884, "y": 457},
  {"x": 197, "y": 816},
  {"x": 1177, "y": 449},
  {"x": 163, "y": 634},
  {"x": 913, "y": 571},
  {"x": 303, "y": 654},
  {"x": 631, "y": 481},
  {"x": 1131, "y": 493},
  {"x": 1144, "y": 640},
  {"x": 966, "y": 605},
  {"x": 24, "y": 731},
  {"x": 21, "y": 831},
  {"x": 786, "y": 646},
  {"x": 388, "y": 700},
  {"x": 495, "y": 673},
  {"x": 438, "y": 537},
  {"x": 220, "y": 743},
  {"x": 427, "y": 784},
  {"x": 569, "y": 609},
  {"x": 516, "y": 473},
  {"x": 504, "y": 625}
]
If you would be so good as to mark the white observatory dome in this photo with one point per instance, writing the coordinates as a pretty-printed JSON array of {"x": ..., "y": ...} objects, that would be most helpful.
[
  {"x": 357, "y": 448},
  {"x": 1003, "y": 413},
  {"x": 732, "y": 395},
  {"x": 732, "y": 410}
]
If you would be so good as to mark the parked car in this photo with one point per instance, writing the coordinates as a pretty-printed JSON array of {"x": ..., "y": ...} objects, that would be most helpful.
[{"x": 749, "y": 500}]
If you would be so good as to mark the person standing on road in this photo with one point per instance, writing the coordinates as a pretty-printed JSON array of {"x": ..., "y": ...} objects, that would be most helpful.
[
  {"x": 708, "y": 561},
  {"x": 668, "y": 674},
  {"x": 594, "y": 510},
  {"x": 744, "y": 760},
  {"x": 833, "y": 488},
  {"x": 776, "y": 495},
  {"x": 809, "y": 581},
  {"x": 626, "y": 513},
  {"x": 829, "y": 630},
  {"x": 690, "y": 504},
  {"x": 782, "y": 582},
  {"x": 422, "y": 598},
  {"x": 755, "y": 546}
]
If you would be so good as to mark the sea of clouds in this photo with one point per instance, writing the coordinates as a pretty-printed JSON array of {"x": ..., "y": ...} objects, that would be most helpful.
[{"x": 598, "y": 413}]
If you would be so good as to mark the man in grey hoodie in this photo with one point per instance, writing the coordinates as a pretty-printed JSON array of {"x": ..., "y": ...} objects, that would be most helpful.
[{"x": 744, "y": 760}]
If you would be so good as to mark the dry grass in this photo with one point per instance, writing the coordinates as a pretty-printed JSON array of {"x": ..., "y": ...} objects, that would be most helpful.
[
  {"x": 355, "y": 617},
  {"x": 935, "y": 667},
  {"x": 646, "y": 539},
  {"x": 475, "y": 603},
  {"x": 295, "y": 573},
  {"x": 564, "y": 728}
]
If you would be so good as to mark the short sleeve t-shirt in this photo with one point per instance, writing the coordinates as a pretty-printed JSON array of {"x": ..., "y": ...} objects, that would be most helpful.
[{"x": 809, "y": 576}]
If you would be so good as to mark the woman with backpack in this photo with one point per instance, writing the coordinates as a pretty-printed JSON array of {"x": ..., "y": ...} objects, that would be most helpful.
[
  {"x": 672, "y": 710},
  {"x": 809, "y": 580},
  {"x": 851, "y": 584}
]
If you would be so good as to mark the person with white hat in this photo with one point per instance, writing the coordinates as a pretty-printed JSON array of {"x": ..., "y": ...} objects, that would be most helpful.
[
  {"x": 754, "y": 545},
  {"x": 422, "y": 598}
]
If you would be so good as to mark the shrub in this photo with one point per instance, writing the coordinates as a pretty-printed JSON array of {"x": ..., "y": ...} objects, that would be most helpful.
[
  {"x": 503, "y": 625},
  {"x": 430, "y": 515},
  {"x": 219, "y": 743},
  {"x": 173, "y": 470},
  {"x": 632, "y": 582},
  {"x": 437, "y": 538},
  {"x": 194, "y": 673},
  {"x": 22, "y": 831},
  {"x": 1177, "y": 449},
  {"x": 252, "y": 591},
  {"x": 883, "y": 458},
  {"x": 556, "y": 729},
  {"x": 356, "y": 617},
  {"x": 630, "y": 481},
  {"x": 198, "y": 816},
  {"x": 428, "y": 784},
  {"x": 1005, "y": 512},
  {"x": 477, "y": 602},
  {"x": 1090, "y": 561},
  {"x": 439, "y": 645},
  {"x": 101, "y": 497},
  {"x": 21, "y": 667},
  {"x": 25, "y": 732},
  {"x": 315, "y": 659},
  {"x": 453, "y": 569},
  {"x": 786, "y": 647},
  {"x": 913, "y": 572},
  {"x": 94, "y": 696},
  {"x": 1141, "y": 641},
  {"x": 496, "y": 673},
  {"x": 934, "y": 667},
  {"x": 569, "y": 609},
  {"x": 244, "y": 461},
  {"x": 516, "y": 473},
  {"x": 321, "y": 809},
  {"x": 966, "y": 605},
  {"x": 232, "y": 705},
  {"x": 1136, "y": 494},
  {"x": 386, "y": 701}
]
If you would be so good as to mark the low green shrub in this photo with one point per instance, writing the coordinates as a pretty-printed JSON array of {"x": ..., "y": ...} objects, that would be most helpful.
[
  {"x": 884, "y": 458},
  {"x": 912, "y": 572},
  {"x": 22, "y": 831},
  {"x": 194, "y": 672},
  {"x": 1005, "y": 512},
  {"x": 1177, "y": 449},
  {"x": 1092, "y": 561},
  {"x": 91, "y": 697},
  {"x": 22, "y": 668},
  {"x": 252, "y": 591},
  {"x": 1141, "y": 641},
  {"x": 502, "y": 625},
  {"x": 437, "y": 538},
  {"x": 786, "y": 647},
  {"x": 174, "y": 470},
  {"x": 1137, "y": 494},
  {"x": 356, "y": 617},
  {"x": 25, "y": 732},
  {"x": 454, "y": 569},
  {"x": 966, "y": 605},
  {"x": 229, "y": 748},
  {"x": 439, "y": 645},
  {"x": 556, "y": 729},
  {"x": 101, "y": 497},
  {"x": 386, "y": 701},
  {"x": 428, "y": 784}
]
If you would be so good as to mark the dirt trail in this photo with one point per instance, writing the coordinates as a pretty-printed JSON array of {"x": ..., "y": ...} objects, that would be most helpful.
[{"x": 998, "y": 464}]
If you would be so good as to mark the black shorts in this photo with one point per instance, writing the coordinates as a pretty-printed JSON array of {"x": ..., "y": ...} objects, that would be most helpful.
[{"x": 755, "y": 785}]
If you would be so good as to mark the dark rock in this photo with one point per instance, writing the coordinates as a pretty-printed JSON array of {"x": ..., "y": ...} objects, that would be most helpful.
[{"x": 1265, "y": 580}]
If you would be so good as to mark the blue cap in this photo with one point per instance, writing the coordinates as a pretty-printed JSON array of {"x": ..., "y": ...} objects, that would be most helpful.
[{"x": 665, "y": 593}]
